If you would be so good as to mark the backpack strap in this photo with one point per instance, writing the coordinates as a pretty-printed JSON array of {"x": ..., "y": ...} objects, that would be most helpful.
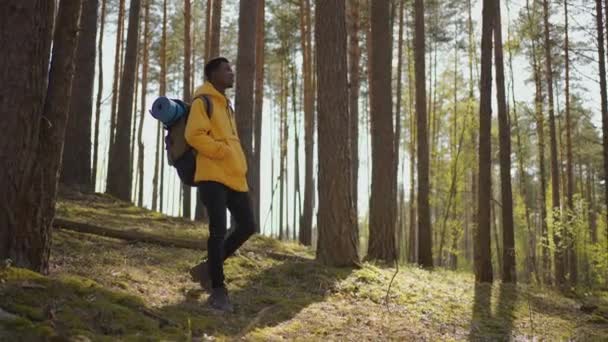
[{"x": 207, "y": 103}]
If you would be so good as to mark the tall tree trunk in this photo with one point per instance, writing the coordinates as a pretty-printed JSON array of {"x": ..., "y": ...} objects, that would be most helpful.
[
  {"x": 186, "y": 192},
  {"x": 398, "y": 118},
  {"x": 208, "y": 24},
  {"x": 117, "y": 75},
  {"x": 216, "y": 27},
  {"x": 99, "y": 94},
  {"x": 508, "y": 271},
  {"x": 569, "y": 168},
  {"x": 604, "y": 99},
  {"x": 382, "y": 200},
  {"x": 559, "y": 252},
  {"x": 258, "y": 108},
  {"x": 76, "y": 164},
  {"x": 157, "y": 186},
  {"x": 337, "y": 243},
  {"x": 473, "y": 136},
  {"x": 119, "y": 170},
  {"x": 283, "y": 147},
  {"x": 354, "y": 61},
  {"x": 245, "y": 64},
  {"x": 296, "y": 182},
  {"x": 483, "y": 254},
  {"x": 25, "y": 231},
  {"x": 411, "y": 79},
  {"x": 144, "y": 92},
  {"x": 425, "y": 243},
  {"x": 307, "y": 67}
]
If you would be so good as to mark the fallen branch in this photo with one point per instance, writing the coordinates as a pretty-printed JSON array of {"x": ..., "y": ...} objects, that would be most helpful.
[{"x": 128, "y": 235}]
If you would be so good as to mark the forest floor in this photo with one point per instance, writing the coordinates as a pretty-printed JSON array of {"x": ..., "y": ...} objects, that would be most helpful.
[{"x": 104, "y": 289}]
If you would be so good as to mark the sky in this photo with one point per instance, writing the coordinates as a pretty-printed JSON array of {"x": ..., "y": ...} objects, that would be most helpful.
[{"x": 523, "y": 92}]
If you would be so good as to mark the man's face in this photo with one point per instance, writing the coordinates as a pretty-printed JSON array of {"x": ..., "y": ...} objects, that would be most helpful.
[{"x": 224, "y": 76}]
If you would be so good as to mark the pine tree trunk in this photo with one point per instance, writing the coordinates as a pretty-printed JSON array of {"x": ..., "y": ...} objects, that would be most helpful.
[
  {"x": 144, "y": 92},
  {"x": 258, "y": 108},
  {"x": 354, "y": 61},
  {"x": 119, "y": 166},
  {"x": 25, "y": 234},
  {"x": 245, "y": 64},
  {"x": 425, "y": 243},
  {"x": 559, "y": 252},
  {"x": 187, "y": 94},
  {"x": 398, "y": 118},
  {"x": 99, "y": 94},
  {"x": 283, "y": 149},
  {"x": 483, "y": 254},
  {"x": 309, "y": 190},
  {"x": 157, "y": 185},
  {"x": 76, "y": 164},
  {"x": 508, "y": 271},
  {"x": 216, "y": 27},
  {"x": 337, "y": 242},
  {"x": 604, "y": 99},
  {"x": 413, "y": 236},
  {"x": 208, "y": 23},
  {"x": 117, "y": 75}
]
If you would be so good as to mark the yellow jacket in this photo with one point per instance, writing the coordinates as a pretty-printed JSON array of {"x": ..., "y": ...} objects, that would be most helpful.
[{"x": 220, "y": 157}]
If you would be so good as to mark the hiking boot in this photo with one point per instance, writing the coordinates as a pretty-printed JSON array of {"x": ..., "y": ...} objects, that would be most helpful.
[
  {"x": 200, "y": 274},
  {"x": 218, "y": 300}
]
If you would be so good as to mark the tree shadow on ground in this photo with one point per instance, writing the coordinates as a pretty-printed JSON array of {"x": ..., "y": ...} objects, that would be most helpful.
[
  {"x": 266, "y": 299},
  {"x": 488, "y": 326}
]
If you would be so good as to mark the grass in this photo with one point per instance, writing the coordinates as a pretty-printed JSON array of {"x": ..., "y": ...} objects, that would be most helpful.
[{"x": 107, "y": 290}]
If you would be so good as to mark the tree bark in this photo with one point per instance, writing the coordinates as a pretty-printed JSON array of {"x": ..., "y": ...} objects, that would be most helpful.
[
  {"x": 99, "y": 94},
  {"x": 186, "y": 191},
  {"x": 483, "y": 254},
  {"x": 157, "y": 185},
  {"x": 258, "y": 108},
  {"x": 337, "y": 243},
  {"x": 559, "y": 251},
  {"x": 425, "y": 241},
  {"x": 76, "y": 165},
  {"x": 208, "y": 23},
  {"x": 117, "y": 74},
  {"x": 144, "y": 92},
  {"x": 307, "y": 67},
  {"x": 216, "y": 27},
  {"x": 504, "y": 126},
  {"x": 119, "y": 167},
  {"x": 398, "y": 118},
  {"x": 245, "y": 64}
]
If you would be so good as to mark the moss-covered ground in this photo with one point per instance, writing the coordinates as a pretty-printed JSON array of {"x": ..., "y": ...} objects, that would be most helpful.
[{"x": 103, "y": 289}]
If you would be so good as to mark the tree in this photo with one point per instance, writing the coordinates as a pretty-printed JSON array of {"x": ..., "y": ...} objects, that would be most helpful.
[
  {"x": 559, "y": 253},
  {"x": 216, "y": 26},
  {"x": 117, "y": 72},
  {"x": 99, "y": 94},
  {"x": 76, "y": 166},
  {"x": 425, "y": 242},
  {"x": 354, "y": 61},
  {"x": 245, "y": 64},
  {"x": 504, "y": 126},
  {"x": 29, "y": 177},
  {"x": 483, "y": 254},
  {"x": 144, "y": 92},
  {"x": 307, "y": 67},
  {"x": 383, "y": 197},
  {"x": 119, "y": 166},
  {"x": 337, "y": 243},
  {"x": 258, "y": 106},
  {"x": 157, "y": 189},
  {"x": 187, "y": 194}
]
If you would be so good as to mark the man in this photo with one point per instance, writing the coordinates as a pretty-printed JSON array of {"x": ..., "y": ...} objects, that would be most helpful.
[{"x": 221, "y": 172}]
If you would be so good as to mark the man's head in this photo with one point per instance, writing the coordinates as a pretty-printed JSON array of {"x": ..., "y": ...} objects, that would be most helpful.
[{"x": 219, "y": 72}]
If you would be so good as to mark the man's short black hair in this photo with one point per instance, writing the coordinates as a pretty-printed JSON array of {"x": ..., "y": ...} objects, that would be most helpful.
[{"x": 213, "y": 65}]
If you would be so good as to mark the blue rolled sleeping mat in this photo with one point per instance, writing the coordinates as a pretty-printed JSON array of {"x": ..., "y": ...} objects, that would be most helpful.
[{"x": 168, "y": 111}]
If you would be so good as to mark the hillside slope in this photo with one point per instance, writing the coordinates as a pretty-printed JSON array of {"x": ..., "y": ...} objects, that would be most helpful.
[{"x": 105, "y": 289}]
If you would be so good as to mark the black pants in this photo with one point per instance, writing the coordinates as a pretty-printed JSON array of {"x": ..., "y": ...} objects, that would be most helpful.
[{"x": 217, "y": 198}]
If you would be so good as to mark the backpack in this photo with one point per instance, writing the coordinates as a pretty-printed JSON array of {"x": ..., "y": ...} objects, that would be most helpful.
[{"x": 180, "y": 155}]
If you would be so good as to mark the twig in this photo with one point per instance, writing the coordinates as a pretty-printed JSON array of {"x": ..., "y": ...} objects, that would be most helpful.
[{"x": 390, "y": 285}]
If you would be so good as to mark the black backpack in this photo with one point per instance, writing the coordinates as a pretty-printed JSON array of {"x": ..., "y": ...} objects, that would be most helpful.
[{"x": 180, "y": 155}]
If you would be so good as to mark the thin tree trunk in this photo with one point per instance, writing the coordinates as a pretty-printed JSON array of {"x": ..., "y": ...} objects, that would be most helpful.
[
  {"x": 186, "y": 192},
  {"x": 119, "y": 166},
  {"x": 258, "y": 108},
  {"x": 337, "y": 243},
  {"x": 99, "y": 94},
  {"x": 483, "y": 255},
  {"x": 216, "y": 26},
  {"x": 296, "y": 183},
  {"x": 398, "y": 118},
  {"x": 283, "y": 150},
  {"x": 555, "y": 190},
  {"x": 307, "y": 67},
  {"x": 354, "y": 61},
  {"x": 604, "y": 99},
  {"x": 208, "y": 24},
  {"x": 157, "y": 185},
  {"x": 76, "y": 164},
  {"x": 144, "y": 92},
  {"x": 117, "y": 75},
  {"x": 508, "y": 271}
]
